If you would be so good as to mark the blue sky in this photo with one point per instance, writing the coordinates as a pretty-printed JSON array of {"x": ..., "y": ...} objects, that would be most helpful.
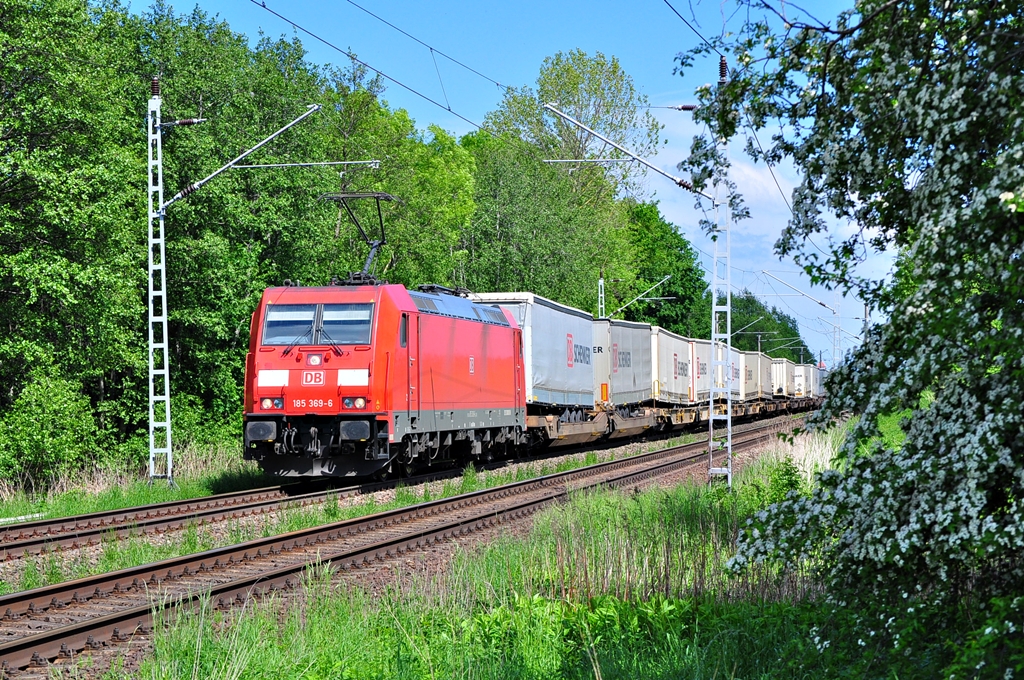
[{"x": 508, "y": 41}]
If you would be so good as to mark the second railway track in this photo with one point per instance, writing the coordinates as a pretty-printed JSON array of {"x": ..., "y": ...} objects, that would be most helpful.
[
  {"x": 91, "y": 613},
  {"x": 35, "y": 537}
]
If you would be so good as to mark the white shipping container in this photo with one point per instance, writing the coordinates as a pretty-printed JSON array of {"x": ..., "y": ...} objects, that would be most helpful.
[
  {"x": 734, "y": 368},
  {"x": 700, "y": 360},
  {"x": 672, "y": 359},
  {"x": 818, "y": 389},
  {"x": 622, "y": 361},
  {"x": 748, "y": 364},
  {"x": 764, "y": 376},
  {"x": 802, "y": 381},
  {"x": 558, "y": 360},
  {"x": 783, "y": 378}
]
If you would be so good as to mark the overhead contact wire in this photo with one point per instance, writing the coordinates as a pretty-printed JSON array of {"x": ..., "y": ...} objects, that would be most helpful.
[
  {"x": 432, "y": 49},
  {"x": 363, "y": 63}
]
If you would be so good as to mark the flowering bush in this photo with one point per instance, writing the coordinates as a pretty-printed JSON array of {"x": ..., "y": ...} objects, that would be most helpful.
[{"x": 905, "y": 119}]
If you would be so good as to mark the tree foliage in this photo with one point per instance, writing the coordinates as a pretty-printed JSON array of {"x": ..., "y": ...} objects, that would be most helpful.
[
  {"x": 904, "y": 118},
  {"x": 596, "y": 92},
  {"x": 483, "y": 212},
  {"x": 533, "y": 230},
  {"x": 780, "y": 334},
  {"x": 659, "y": 251}
]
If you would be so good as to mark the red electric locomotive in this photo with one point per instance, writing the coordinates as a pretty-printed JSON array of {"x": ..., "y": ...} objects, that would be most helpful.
[
  {"x": 345, "y": 380},
  {"x": 353, "y": 378}
]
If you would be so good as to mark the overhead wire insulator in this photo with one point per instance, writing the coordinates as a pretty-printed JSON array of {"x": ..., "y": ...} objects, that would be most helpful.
[
  {"x": 154, "y": 86},
  {"x": 723, "y": 69}
]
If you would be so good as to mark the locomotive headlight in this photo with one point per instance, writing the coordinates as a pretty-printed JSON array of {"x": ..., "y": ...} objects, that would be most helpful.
[
  {"x": 267, "y": 403},
  {"x": 347, "y": 401},
  {"x": 279, "y": 403},
  {"x": 314, "y": 360},
  {"x": 360, "y": 402}
]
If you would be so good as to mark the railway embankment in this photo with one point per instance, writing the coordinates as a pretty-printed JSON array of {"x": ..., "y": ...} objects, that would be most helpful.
[{"x": 381, "y": 579}]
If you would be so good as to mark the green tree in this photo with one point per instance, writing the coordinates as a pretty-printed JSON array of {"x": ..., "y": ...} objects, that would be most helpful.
[
  {"x": 74, "y": 79},
  {"x": 660, "y": 250},
  {"x": 596, "y": 92},
  {"x": 71, "y": 265},
  {"x": 903, "y": 117},
  {"x": 781, "y": 333},
  {"x": 532, "y": 230}
]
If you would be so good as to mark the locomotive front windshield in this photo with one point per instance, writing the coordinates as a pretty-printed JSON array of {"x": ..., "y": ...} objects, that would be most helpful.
[
  {"x": 289, "y": 324},
  {"x": 346, "y": 324},
  {"x": 312, "y": 324}
]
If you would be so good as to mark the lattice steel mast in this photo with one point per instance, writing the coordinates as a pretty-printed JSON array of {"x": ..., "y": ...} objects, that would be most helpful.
[
  {"x": 160, "y": 438},
  {"x": 159, "y": 374},
  {"x": 721, "y": 311}
]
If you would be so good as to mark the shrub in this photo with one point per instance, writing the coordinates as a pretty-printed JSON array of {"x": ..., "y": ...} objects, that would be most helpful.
[{"x": 49, "y": 430}]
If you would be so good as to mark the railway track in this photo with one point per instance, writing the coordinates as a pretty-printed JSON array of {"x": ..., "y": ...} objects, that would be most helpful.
[
  {"x": 34, "y": 537},
  {"x": 63, "y": 620}
]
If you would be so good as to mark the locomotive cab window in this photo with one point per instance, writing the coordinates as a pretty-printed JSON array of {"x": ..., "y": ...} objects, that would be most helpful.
[
  {"x": 346, "y": 324},
  {"x": 403, "y": 330},
  {"x": 288, "y": 324}
]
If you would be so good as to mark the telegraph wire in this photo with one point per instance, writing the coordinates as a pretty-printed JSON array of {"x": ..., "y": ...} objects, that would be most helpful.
[{"x": 263, "y": 4}]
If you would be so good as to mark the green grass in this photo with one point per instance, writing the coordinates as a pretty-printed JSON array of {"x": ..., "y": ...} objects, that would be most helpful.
[
  {"x": 610, "y": 585},
  {"x": 200, "y": 471},
  {"x": 52, "y": 568}
]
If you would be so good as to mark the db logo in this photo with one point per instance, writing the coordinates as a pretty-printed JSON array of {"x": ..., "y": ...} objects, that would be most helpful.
[
  {"x": 313, "y": 378},
  {"x": 569, "y": 351}
]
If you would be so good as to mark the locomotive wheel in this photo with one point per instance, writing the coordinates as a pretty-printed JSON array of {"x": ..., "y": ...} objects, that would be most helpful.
[{"x": 383, "y": 474}]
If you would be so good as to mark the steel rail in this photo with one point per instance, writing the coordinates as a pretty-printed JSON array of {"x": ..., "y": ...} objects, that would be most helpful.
[
  {"x": 34, "y": 537},
  {"x": 68, "y": 640},
  {"x": 107, "y": 519},
  {"x": 21, "y": 539}
]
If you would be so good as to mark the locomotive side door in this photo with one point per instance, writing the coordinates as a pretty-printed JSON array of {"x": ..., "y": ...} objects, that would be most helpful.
[
  {"x": 519, "y": 375},
  {"x": 412, "y": 329}
]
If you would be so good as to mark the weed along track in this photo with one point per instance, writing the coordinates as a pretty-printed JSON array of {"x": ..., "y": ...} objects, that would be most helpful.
[
  {"x": 63, "y": 620},
  {"x": 71, "y": 533},
  {"x": 32, "y": 538}
]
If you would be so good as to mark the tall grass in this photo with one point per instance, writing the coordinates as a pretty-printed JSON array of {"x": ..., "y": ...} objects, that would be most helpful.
[{"x": 609, "y": 585}]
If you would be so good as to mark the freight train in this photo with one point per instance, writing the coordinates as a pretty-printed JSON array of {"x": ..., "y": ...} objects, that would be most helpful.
[{"x": 362, "y": 378}]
